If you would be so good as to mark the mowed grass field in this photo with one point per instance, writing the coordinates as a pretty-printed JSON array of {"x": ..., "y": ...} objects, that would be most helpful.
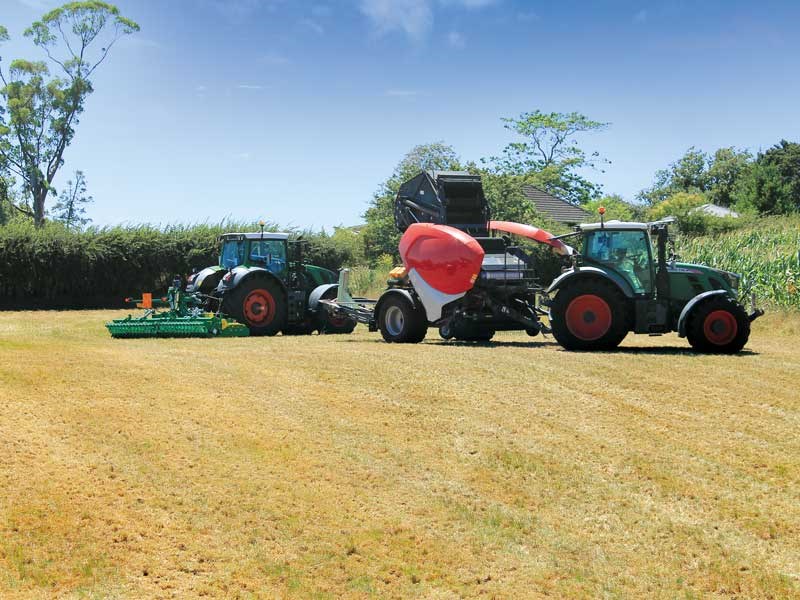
[{"x": 344, "y": 467}]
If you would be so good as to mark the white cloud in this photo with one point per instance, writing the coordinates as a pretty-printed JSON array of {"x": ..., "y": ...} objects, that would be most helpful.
[
  {"x": 411, "y": 17},
  {"x": 243, "y": 156},
  {"x": 312, "y": 25},
  {"x": 640, "y": 17},
  {"x": 456, "y": 40},
  {"x": 249, "y": 86}
]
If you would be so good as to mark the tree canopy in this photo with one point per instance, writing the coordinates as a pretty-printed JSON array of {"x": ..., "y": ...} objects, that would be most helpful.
[
  {"x": 548, "y": 155},
  {"x": 39, "y": 111}
]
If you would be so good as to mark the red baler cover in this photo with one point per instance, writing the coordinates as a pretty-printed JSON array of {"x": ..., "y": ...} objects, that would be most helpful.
[
  {"x": 448, "y": 259},
  {"x": 533, "y": 233}
]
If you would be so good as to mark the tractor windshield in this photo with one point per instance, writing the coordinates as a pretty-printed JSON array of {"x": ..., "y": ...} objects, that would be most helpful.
[
  {"x": 232, "y": 254},
  {"x": 627, "y": 252},
  {"x": 270, "y": 254}
]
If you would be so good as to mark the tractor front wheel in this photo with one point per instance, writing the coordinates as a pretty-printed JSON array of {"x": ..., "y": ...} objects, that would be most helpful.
[
  {"x": 589, "y": 315},
  {"x": 718, "y": 325},
  {"x": 400, "y": 322},
  {"x": 258, "y": 303}
]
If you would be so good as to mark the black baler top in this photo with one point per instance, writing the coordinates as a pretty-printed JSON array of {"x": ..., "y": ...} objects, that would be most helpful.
[{"x": 452, "y": 198}]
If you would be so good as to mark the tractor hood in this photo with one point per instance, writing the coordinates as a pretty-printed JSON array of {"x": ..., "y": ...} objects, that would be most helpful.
[{"x": 717, "y": 278}]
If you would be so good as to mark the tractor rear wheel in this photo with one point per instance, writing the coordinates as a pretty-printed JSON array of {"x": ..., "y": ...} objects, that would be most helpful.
[
  {"x": 400, "y": 322},
  {"x": 258, "y": 303},
  {"x": 590, "y": 314},
  {"x": 718, "y": 325},
  {"x": 327, "y": 322}
]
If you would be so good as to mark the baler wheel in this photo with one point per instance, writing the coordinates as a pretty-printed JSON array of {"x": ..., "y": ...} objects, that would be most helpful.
[
  {"x": 259, "y": 304},
  {"x": 400, "y": 322},
  {"x": 589, "y": 314},
  {"x": 718, "y": 325}
]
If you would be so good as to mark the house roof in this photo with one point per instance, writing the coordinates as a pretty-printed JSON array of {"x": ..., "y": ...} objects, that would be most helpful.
[
  {"x": 715, "y": 210},
  {"x": 554, "y": 208}
]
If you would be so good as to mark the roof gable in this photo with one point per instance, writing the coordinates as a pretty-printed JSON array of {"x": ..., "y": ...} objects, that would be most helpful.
[{"x": 553, "y": 207}]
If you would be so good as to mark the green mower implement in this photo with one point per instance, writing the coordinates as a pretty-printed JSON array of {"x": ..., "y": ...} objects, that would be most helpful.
[{"x": 184, "y": 317}]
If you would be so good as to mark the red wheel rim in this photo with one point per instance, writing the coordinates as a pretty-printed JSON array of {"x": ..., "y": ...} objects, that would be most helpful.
[
  {"x": 588, "y": 317},
  {"x": 259, "y": 307},
  {"x": 720, "y": 327}
]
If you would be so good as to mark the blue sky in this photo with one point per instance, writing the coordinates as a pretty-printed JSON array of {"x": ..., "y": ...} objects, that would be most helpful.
[{"x": 295, "y": 111}]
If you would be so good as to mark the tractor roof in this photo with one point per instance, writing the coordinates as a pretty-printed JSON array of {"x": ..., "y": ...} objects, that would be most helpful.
[
  {"x": 615, "y": 224},
  {"x": 267, "y": 235}
]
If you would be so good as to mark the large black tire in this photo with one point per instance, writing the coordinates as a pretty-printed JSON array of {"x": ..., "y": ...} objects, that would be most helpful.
[
  {"x": 718, "y": 325},
  {"x": 590, "y": 314},
  {"x": 400, "y": 322},
  {"x": 258, "y": 303},
  {"x": 327, "y": 322}
]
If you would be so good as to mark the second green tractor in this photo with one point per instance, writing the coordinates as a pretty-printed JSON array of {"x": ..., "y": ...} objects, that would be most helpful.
[{"x": 262, "y": 281}]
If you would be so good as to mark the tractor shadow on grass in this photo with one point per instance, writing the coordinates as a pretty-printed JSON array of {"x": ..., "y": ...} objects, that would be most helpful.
[{"x": 668, "y": 350}]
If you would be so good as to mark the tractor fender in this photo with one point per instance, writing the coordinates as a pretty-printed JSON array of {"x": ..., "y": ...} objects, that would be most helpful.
[
  {"x": 568, "y": 276},
  {"x": 397, "y": 292},
  {"x": 242, "y": 274},
  {"x": 318, "y": 292},
  {"x": 687, "y": 310},
  {"x": 207, "y": 274}
]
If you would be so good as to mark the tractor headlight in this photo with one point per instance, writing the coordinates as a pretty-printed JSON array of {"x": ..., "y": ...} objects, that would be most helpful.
[{"x": 732, "y": 279}]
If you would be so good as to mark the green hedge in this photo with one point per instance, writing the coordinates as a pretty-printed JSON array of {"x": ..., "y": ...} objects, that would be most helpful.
[{"x": 56, "y": 268}]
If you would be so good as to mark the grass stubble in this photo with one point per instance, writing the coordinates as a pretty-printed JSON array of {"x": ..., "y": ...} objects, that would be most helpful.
[{"x": 343, "y": 467}]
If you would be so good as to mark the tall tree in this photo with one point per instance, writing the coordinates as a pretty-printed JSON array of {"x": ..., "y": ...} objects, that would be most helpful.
[
  {"x": 70, "y": 208},
  {"x": 772, "y": 184},
  {"x": 548, "y": 155},
  {"x": 696, "y": 172},
  {"x": 380, "y": 234},
  {"x": 41, "y": 111}
]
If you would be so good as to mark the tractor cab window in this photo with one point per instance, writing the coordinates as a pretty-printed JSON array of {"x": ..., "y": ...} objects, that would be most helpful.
[
  {"x": 270, "y": 254},
  {"x": 627, "y": 252},
  {"x": 232, "y": 254}
]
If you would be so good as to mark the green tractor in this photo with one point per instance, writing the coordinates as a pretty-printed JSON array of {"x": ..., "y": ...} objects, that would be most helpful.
[
  {"x": 621, "y": 282},
  {"x": 262, "y": 281}
]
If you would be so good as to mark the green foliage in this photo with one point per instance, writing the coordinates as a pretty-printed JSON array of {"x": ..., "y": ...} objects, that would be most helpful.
[
  {"x": 54, "y": 266},
  {"x": 683, "y": 206},
  {"x": 380, "y": 235},
  {"x": 698, "y": 172},
  {"x": 548, "y": 155},
  {"x": 70, "y": 209},
  {"x": 766, "y": 252},
  {"x": 616, "y": 208},
  {"x": 39, "y": 112},
  {"x": 772, "y": 184}
]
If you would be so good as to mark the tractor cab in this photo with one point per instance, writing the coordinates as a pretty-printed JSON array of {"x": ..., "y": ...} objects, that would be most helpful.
[
  {"x": 624, "y": 249},
  {"x": 267, "y": 250}
]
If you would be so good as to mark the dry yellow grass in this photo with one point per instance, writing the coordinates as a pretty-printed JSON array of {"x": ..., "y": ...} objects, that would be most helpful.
[{"x": 343, "y": 467}]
